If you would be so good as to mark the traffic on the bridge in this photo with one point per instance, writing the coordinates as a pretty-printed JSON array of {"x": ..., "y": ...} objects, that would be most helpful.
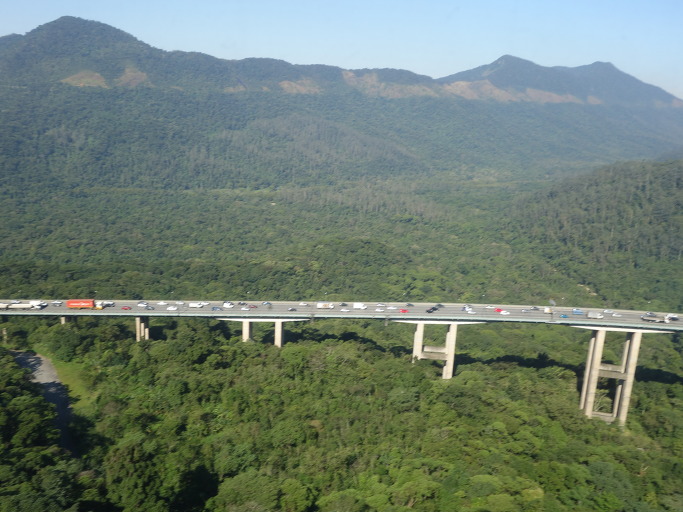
[{"x": 397, "y": 311}]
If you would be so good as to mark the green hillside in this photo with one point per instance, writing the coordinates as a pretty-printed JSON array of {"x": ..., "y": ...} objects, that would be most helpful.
[{"x": 127, "y": 172}]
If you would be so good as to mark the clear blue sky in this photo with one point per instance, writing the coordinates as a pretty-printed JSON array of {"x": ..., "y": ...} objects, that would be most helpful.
[{"x": 643, "y": 38}]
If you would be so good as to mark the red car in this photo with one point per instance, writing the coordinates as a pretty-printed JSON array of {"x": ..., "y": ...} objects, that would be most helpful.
[
  {"x": 498, "y": 310},
  {"x": 126, "y": 307},
  {"x": 402, "y": 310}
]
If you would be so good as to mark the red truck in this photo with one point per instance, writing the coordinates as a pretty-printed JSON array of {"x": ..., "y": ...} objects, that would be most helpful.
[{"x": 84, "y": 304}]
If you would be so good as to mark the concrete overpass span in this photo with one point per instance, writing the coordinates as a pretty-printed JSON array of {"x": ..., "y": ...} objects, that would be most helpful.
[{"x": 633, "y": 324}]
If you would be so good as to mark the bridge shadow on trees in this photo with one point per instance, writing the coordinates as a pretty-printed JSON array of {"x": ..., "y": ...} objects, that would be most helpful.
[{"x": 542, "y": 360}]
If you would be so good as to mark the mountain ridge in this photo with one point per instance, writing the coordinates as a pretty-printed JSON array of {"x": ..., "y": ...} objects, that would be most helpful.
[{"x": 69, "y": 49}]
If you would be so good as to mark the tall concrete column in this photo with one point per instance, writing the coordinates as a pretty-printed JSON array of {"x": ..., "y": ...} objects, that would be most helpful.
[
  {"x": 631, "y": 359},
  {"x": 279, "y": 331},
  {"x": 418, "y": 340},
  {"x": 141, "y": 328},
  {"x": 593, "y": 362},
  {"x": 246, "y": 330},
  {"x": 449, "y": 366},
  {"x": 63, "y": 319}
]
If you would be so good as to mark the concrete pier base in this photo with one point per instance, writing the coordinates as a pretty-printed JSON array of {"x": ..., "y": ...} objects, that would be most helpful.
[
  {"x": 444, "y": 353},
  {"x": 623, "y": 373}
]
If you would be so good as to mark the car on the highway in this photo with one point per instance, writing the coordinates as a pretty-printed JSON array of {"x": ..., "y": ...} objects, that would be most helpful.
[
  {"x": 303, "y": 303},
  {"x": 245, "y": 308},
  {"x": 504, "y": 312},
  {"x": 577, "y": 311},
  {"x": 149, "y": 308},
  {"x": 216, "y": 308},
  {"x": 291, "y": 309},
  {"x": 172, "y": 308},
  {"x": 403, "y": 311},
  {"x": 126, "y": 307},
  {"x": 344, "y": 310}
]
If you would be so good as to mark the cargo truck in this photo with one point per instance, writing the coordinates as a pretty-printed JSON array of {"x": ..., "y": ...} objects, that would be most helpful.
[
  {"x": 325, "y": 305},
  {"x": 594, "y": 315},
  {"x": 18, "y": 306},
  {"x": 359, "y": 305},
  {"x": 656, "y": 318},
  {"x": 84, "y": 304}
]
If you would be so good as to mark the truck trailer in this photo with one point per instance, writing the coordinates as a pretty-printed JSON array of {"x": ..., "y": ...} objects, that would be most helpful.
[
  {"x": 325, "y": 305},
  {"x": 84, "y": 304},
  {"x": 19, "y": 306},
  {"x": 664, "y": 319}
]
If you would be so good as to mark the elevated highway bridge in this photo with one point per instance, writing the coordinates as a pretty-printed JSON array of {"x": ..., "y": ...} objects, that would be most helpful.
[{"x": 631, "y": 324}]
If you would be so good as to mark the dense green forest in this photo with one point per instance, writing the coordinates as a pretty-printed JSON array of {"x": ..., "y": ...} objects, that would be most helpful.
[
  {"x": 175, "y": 183},
  {"x": 339, "y": 419}
]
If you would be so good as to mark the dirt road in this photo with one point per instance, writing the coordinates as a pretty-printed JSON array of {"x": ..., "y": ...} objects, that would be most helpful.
[{"x": 45, "y": 374}]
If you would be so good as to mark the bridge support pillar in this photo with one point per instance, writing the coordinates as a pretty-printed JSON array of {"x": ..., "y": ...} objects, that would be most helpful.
[
  {"x": 141, "y": 328},
  {"x": 63, "y": 319},
  {"x": 246, "y": 330},
  {"x": 623, "y": 373},
  {"x": 444, "y": 353},
  {"x": 279, "y": 326}
]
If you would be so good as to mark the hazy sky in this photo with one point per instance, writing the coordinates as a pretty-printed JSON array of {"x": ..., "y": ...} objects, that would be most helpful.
[{"x": 643, "y": 38}]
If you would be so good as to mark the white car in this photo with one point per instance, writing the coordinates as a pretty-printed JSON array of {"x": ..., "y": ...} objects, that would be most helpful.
[
  {"x": 228, "y": 305},
  {"x": 162, "y": 303},
  {"x": 245, "y": 308},
  {"x": 504, "y": 312},
  {"x": 303, "y": 303},
  {"x": 172, "y": 308},
  {"x": 344, "y": 310},
  {"x": 391, "y": 307},
  {"x": 142, "y": 304},
  {"x": 379, "y": 310}
]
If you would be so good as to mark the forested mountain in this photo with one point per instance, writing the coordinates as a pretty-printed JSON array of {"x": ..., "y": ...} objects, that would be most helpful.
[
  {"x": 129, "y": 172},
  {"x": 104, "y": 108}
]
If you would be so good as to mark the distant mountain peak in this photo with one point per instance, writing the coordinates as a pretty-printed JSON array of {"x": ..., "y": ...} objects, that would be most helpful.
[
  {"x": 510, "y": 78},
  {"x": 88, "y": 53}
]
